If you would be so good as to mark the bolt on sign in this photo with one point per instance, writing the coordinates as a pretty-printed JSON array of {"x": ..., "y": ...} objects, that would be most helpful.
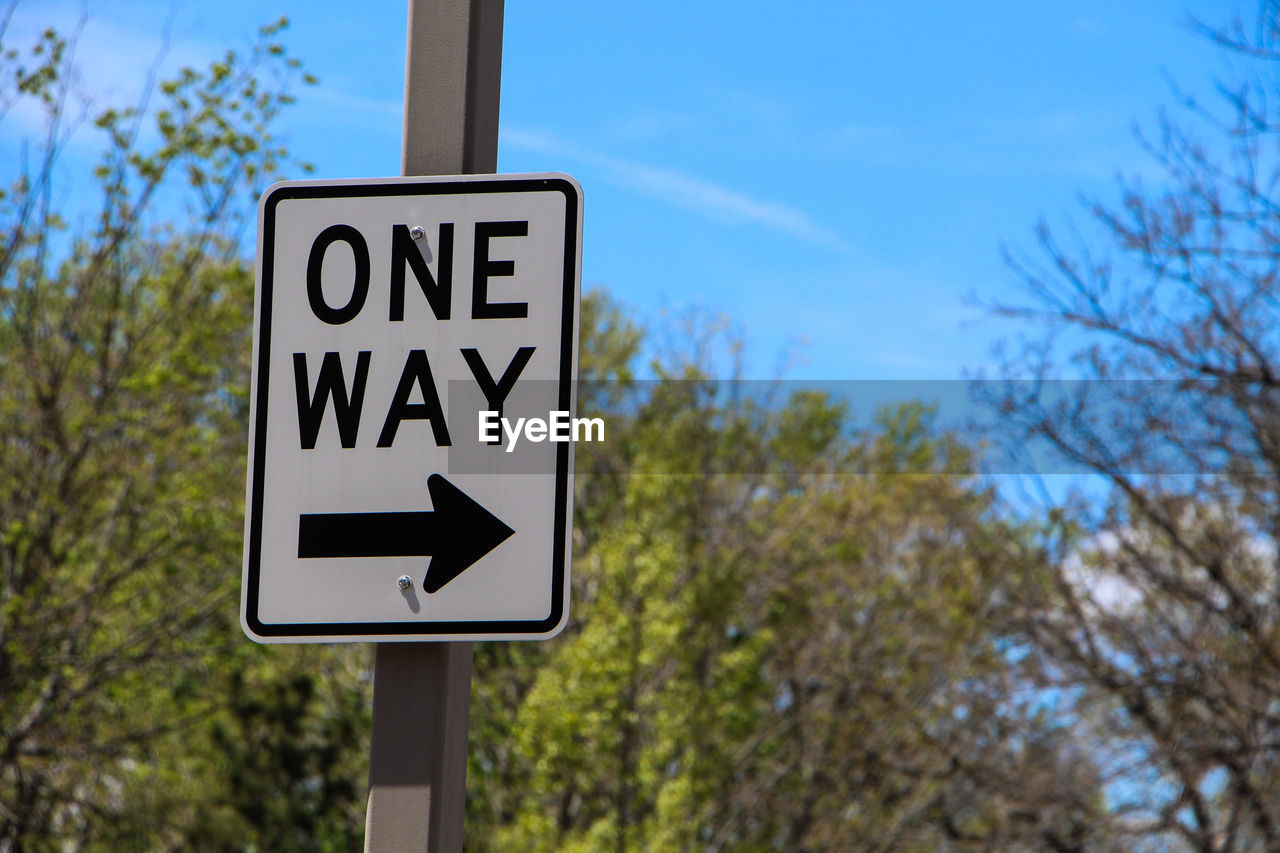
[{"x": 392, "y": 317}]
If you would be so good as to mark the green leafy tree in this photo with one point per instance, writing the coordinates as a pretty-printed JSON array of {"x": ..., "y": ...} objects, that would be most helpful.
[
  {"x": 286, "y": 762},
  {"x": 131, "y": 707},
  {"x": 787, "y": 635}
]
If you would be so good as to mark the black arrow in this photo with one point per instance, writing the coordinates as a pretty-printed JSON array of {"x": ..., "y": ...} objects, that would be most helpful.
[{"x": 455, "y": 534}]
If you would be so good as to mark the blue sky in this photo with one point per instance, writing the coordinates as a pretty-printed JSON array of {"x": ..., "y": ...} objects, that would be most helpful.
[{"x": 836, "y": 177}]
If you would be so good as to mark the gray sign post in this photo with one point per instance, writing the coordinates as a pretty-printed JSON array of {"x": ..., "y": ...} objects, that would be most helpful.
[{"x": 421, "y": 703}]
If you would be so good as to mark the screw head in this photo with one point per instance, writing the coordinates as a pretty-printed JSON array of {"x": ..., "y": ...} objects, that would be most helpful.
[
  {"x": 417, "y": 232},
  {"x": 404, "y": 582}
]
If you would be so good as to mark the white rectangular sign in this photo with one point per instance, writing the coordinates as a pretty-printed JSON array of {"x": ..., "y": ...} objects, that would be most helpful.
[{"x": 393, "y": 316}]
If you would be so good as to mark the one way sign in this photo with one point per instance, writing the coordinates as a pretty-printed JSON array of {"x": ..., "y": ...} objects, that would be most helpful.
[{"x": 395, "y": 318}]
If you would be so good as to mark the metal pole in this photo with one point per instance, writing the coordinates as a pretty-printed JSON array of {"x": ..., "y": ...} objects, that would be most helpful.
[{"x": 422, "y": 691}]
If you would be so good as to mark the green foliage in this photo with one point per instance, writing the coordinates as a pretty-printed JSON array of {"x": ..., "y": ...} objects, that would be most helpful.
[
  {"x": 286, "y": 758},
  {"x": 787, "y": 634},
  {"x": 123, "y": 366}
]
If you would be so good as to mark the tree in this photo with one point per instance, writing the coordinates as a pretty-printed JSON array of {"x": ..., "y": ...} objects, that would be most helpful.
[
  {"x": 788, "y": 632},
  {"x": 1159, "y": 613},
  {"x": 786, "y": 635},
  {"x": 124, "y": 345}
]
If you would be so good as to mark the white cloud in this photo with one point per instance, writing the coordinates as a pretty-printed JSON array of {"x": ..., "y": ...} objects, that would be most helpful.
[
  {"x": 1094, "y": 580},
  {"x": 357, "y": 103},
  {"x": 688, "y": 191}
]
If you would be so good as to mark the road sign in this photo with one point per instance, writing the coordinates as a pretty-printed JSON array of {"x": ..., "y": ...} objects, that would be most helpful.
[{"x": 395, "y": 318}]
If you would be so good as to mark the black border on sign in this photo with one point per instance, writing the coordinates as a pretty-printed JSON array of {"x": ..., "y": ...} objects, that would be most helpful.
[{"x": 325, "y": 630}]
